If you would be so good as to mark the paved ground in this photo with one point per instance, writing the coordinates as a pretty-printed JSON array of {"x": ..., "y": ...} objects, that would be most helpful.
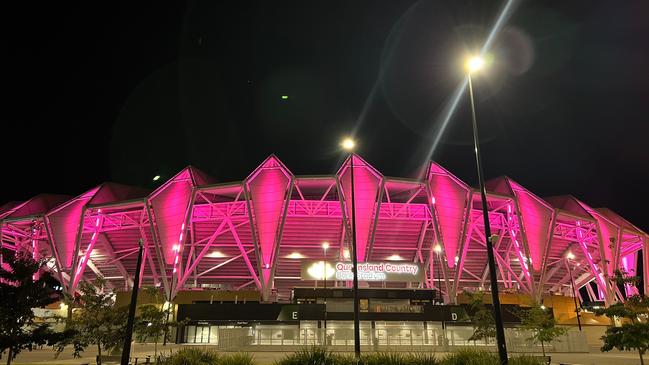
[{"x": 46, "y": 357}]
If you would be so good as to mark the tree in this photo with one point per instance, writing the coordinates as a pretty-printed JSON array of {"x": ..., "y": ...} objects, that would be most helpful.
[
  {"x": 96, "y": 321},
  {"x": 541, "y": 324},
  {"x": 152, "y": 322},
  {"x": 634, "y": 333},
  {"x": 631, "y": 336},
  {"x": 482, "y": 319},
  {"x": 23, "y": 286}
]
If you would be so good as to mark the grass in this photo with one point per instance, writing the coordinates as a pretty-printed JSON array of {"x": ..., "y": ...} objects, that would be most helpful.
[
  {"x": 322, "y": 356},
  {"x": 196, "y": 356}
]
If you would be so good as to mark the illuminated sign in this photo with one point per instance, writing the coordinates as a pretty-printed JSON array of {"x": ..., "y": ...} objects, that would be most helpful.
[{"x": 367, "y": 271}]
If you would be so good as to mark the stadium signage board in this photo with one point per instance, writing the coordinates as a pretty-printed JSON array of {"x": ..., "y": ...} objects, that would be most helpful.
[{"x": 389, "y": 271}]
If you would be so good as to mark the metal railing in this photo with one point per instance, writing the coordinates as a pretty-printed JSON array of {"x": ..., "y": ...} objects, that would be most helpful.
[{"x": 235, "y": 339}]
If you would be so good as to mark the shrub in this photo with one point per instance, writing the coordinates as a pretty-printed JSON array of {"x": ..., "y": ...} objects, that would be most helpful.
[
  {"x": 321, "y": 356},
  {"x": 470, "y": 357},
  {"x": 196, "y": 356},
  {"x": 526, "y": 360},
  {"x": 392, "y": 358},
  {"x": 193, "y": 356},
  {"x": 237, "y": 359},
  {"x": 311, "y": 356}
]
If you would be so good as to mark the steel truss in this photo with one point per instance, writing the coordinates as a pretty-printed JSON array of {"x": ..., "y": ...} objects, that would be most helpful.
[{"x": 253, "y": 234}]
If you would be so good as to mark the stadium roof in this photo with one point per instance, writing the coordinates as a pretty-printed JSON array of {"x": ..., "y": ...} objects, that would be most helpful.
[{"x": 256, "y": 233}]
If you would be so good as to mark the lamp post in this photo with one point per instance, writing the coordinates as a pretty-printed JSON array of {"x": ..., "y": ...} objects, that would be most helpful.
[
  {"x": 438, "y": 251},
  {"x": 126, "y": 351},
  {"x": 569, "y": 257},
  {"x": 474, "y": 64},
  {"x": 348, "y": 144},
  {"x": 325, "y": 246}
]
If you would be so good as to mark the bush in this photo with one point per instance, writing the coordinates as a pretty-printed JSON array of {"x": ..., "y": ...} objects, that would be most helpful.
[
  {"x": 526, "y": 360},
  {"x": 195, "y": 356},
  {"x": 481, "y": 357},
  {"x": 395, "y": 358},
  {"x": 321, "y": 356},
  {"x": 470, "y": 357},
  {"x": 237, "y": 359},
  {"x": 312, "y": 356}
]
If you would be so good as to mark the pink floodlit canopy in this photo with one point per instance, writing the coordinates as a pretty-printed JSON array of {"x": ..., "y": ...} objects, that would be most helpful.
[{"x": 256, "y": 233}]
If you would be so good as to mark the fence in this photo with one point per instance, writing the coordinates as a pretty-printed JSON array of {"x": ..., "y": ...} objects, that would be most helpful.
[{"x": 394, "y": 339}]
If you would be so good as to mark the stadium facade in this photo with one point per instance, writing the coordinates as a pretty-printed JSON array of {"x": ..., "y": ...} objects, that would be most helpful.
[
  {"x": 261, "y": 233},
  {"x": 280, "y": 244}
]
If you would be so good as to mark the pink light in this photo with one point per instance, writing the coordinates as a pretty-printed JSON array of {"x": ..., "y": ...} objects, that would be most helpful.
[
  {"x": 606, "y": 230},
  {"x": 452, "y": 200},
  {"x": 268, "y": 186},
  {"x": 170, "y": 204},
  {"x": 64, "y": 224},
  {"x": 433, "y": 200},
  {"x": 366, "y": 187},
  {"x": 630, "y": 262}
]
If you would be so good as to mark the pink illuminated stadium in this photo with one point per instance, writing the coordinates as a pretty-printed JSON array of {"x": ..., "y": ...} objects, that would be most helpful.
[{"x": 255, "y": 234}]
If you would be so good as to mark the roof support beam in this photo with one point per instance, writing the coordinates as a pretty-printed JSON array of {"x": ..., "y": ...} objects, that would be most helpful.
[
  {"x": 192, "y": 266},
  {"x": 158, "y": 251},
  {"x": 108, "y": 247},
  {"x": 149, "y": 257},
  {"x": 226, "y": 262},
  {"x": 244, "y": 254}
]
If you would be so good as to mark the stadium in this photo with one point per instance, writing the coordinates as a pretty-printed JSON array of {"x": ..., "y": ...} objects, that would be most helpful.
[{"x": 275, "y": 240}]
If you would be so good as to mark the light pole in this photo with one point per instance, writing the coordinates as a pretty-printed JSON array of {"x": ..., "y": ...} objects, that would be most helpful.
[
  {"x": 348, "y": 144},
  {"x": 126, "y": 351},
  {"x": 438, "y": 251},
  {"x": 570, "y": 256},
  {"x": 473, "y": 65},
  {"x": 325, "y": 246}
]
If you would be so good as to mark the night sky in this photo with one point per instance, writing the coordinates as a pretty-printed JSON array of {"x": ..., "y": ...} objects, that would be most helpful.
[{"x": 105, "y": 92}]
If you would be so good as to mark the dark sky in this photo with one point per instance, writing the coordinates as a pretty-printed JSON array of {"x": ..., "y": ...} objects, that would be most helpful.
[{"x": 107, "y": 92}]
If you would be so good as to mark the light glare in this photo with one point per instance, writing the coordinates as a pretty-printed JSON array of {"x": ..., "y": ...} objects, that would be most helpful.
[
  {"x": 156, "y": 178},
  {"x": 217, "y": 254},
  {"x": 348, "y": 144},
  {"x": 475, "y": 63},
  {"x": 295, "y": 256}
]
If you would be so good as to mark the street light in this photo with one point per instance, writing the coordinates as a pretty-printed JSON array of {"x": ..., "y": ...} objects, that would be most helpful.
[
  {"x": 475, "y": 64},
  {"x": 130, "y": 321},
  {"x": 348, "y": 145},
  {"x": 325, "y": 246},
  {"x": 571, "y": 256},
  {"x": 438, "y": 251}
]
